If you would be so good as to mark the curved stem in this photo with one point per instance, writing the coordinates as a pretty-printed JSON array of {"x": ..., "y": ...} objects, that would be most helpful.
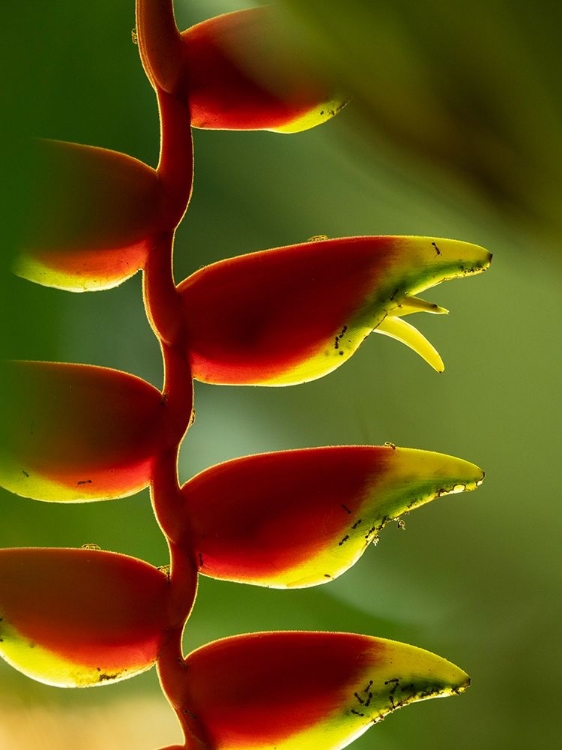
[
  {"x": 161, "y": 299},
  {"x": 175, "y": 170},
  {"x": 178, "y": 385},
  {"x": 168, "y": 502},
  {"x": 161, "y": 50},
  {"x": 160, "y": 44},
  {"x": 172, "y": 669},
  {"x": 169, "y": 508},
  {"x": 175, "y": 165}
]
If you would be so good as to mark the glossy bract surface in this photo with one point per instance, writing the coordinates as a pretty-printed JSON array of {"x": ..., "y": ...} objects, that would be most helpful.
[
  {"x": 79, "y": 432},
  {"x": 305, "y": 691},
  {"x": 246, "y": 71},
  {"x": 80, "y": 617},
  {"x": 296, "y": 313}
]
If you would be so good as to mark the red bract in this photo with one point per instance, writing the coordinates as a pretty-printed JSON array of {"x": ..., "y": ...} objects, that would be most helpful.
[
  {"x": 79, "y": 617},
  {"x": 300, "y": 518},
  {"x": 304, "y": 691},
  {"x": 247, "y": 71},
  {"x": 295, "y": 313},
  {"x": 80, "y": 432},
  {"x": 95, "y": 216}
]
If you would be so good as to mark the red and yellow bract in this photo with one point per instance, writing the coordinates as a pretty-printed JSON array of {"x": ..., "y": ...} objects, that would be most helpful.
[
  {"x": 95, "y": 216},
  {"x": 295, "y": 313},
  {"x": 302, "y": 517},
  {"x": 80, "y": 617},
  {"x": 80, "y": 432},
  {"x": 246, "y": 71},
  {"x": 306, "y": 690}
]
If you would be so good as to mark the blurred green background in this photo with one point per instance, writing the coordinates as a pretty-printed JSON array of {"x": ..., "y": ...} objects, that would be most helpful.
[{"x": 454, "y": 131}]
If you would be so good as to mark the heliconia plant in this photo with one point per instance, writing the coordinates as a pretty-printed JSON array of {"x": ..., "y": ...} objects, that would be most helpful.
[{"x": 84, "y": 617}]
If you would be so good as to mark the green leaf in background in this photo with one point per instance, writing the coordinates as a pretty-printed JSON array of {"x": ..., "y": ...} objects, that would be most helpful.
[{"x": 472, "y": 90}]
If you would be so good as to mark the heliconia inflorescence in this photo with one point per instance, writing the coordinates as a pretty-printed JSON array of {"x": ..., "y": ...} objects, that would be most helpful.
[{"x": 84, "y": 617}]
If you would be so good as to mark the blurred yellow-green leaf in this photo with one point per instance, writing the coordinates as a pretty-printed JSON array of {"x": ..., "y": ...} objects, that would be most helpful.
[{"x": 469, "y": 90}]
